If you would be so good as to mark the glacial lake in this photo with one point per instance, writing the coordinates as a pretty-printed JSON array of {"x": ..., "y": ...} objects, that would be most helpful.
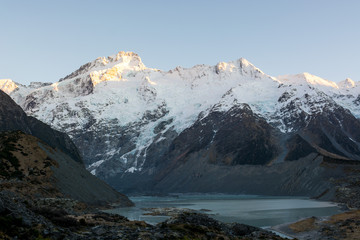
[{"x": 260, "y": 211}]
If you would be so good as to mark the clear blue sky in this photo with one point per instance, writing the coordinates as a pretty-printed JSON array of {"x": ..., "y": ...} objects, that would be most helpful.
[{"x": 46, "y": 40}]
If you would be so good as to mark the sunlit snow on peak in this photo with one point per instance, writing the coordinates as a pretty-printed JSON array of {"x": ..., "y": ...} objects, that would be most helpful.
[
  {"x": 7, "y": 85},
  {"x": 118, "y": 92},
  {"x": 347, "y": 83},
  {"x": 308, "y": 78},
  {"x": 55, "y": 86}
]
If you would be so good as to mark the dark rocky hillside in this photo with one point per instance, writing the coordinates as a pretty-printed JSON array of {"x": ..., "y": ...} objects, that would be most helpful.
[
  {"x": 229, "y": 137},
  {"x": 12, "y": 117},
  {"x": 239, "y": 152},
  {"x": 336, "y": 131},
  {"x": 38, "y": 161},
  {"x": 33, "y": 169}
]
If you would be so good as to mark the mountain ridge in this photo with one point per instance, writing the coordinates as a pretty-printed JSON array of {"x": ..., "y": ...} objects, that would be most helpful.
[
  {"x": 121, "y": 114},
  {"x": 126, "y": 59}
]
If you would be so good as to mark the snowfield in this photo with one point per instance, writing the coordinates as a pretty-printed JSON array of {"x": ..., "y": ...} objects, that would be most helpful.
[{"x": 119, "y": 95}]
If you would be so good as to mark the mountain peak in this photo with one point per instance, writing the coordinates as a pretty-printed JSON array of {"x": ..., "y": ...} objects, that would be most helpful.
[
  {"x": 244, "y": 61},
  {"x": 241, "y": 64},
  {"x": 347, "y": 83},
  {"x": 306, "y": 77},
  {"x": 126, "y": 58},
  {"x": 114, "y": 64},
  {"x": 8, "y": 85}
]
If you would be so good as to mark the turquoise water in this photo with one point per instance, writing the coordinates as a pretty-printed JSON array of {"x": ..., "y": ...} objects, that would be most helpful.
[{"x": 260, "y": 211}]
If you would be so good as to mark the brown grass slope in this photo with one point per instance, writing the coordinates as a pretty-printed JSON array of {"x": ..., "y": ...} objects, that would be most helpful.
[{"x": 34, "y": 169}]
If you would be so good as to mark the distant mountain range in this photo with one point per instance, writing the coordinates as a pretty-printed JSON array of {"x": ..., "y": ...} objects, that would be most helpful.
[{"x": 223, "y": 128}]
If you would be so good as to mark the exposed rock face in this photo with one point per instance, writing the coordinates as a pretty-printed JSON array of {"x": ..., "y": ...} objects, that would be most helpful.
[
  {"x": 298, "y": 148},
  {"x": 224, "y": 139},
  {"x": 143, "y": 129},
  {"x": 336, "y": 131},
  {"x": 230, "y": 138},
  {"x": 12, "y": 116}
]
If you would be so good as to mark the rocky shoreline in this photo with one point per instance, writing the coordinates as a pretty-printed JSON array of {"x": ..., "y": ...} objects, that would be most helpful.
[
  {"x": 345, "y": 226},
  {"x": 22, "y": 218},
  {"x": 63, "y": 218}
]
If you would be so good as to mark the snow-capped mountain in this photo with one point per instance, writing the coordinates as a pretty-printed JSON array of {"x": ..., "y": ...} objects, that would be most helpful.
[
  {"x": 126, "y": 118},
  {"x": 7, "y": 85}
]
